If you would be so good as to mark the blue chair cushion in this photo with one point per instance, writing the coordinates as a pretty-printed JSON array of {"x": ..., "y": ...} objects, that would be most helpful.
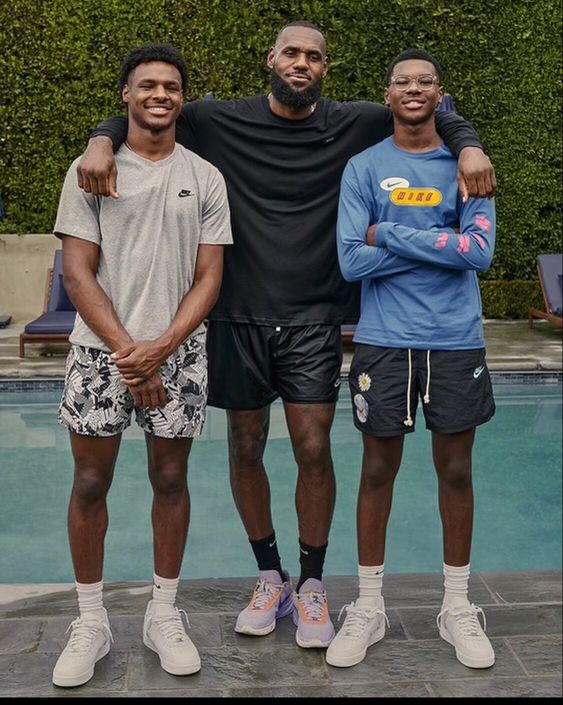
[
  {"x": 52, "y": 322},
  {"x": 550, "y": 267},
  {"x": 63, "y": 303}
]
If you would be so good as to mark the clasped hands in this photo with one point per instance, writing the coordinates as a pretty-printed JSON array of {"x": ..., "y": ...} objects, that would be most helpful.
[{"x": 138, "y": 363}]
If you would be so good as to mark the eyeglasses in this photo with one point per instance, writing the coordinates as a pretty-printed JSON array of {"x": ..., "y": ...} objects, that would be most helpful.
[{"x": 423, "y": 82}]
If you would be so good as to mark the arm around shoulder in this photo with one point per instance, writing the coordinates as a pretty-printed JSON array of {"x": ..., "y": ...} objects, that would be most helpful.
[{"x": 97, "y": 172}]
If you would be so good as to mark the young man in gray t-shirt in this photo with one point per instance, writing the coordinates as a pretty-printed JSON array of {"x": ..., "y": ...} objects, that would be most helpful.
[{"x": 143, "y": 272}]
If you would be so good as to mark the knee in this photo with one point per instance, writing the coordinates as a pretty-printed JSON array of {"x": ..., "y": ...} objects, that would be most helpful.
[
  {"x": 169, "y": 479},
  {"x": 312, "y": 454},
  {"x": 246, "y": 444},
  {"x": 455, "y": 473},
  {"x": 90, "y": 486},
  {"x": 377, "y": 474}
]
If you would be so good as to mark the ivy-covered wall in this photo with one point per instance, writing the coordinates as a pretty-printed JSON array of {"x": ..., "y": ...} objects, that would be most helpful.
[{"x": 59, "y": 65}]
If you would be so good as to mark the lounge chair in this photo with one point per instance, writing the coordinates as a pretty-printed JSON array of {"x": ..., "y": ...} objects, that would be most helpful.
[
  {"x": 551, "y": 281},
  {"x": 56, "y": 322}
]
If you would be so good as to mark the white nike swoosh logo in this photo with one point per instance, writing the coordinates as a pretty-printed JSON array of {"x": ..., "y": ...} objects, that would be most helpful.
[
  {"x": 391, "y": 182},
  {"x": 477, "y": 372}
]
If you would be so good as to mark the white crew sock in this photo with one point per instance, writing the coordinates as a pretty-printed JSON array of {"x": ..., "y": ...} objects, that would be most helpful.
[
  {"x": 164, "y": 589},
  {"x": 90, "y": 598},
  {"x": 371, "y": 584},
  {"x": 456, "y": 585}
]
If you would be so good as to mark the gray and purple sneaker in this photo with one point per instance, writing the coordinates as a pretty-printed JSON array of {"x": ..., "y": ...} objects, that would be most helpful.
[
  {"x": 272, "y": 599},
  {"x": 314, "y": 626}
]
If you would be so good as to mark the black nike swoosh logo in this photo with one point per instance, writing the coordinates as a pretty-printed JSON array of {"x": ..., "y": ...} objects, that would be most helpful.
[{"x": 184, "y": 192}]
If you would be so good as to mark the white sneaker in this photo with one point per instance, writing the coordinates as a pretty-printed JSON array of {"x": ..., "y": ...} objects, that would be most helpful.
[
  {"x": 460, "y": 627},
  {"x": 164, "y": 632},
  {"x": 362, "y": 628},
  {"x": 89, "y": 642}
]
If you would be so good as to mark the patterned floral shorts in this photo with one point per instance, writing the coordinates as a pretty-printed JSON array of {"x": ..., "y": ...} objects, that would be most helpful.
[{"x": 96, "y": 403}]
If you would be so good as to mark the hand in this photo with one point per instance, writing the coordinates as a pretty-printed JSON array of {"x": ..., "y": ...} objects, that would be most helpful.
[
  {"x": 96, "y": 171},
  {"x": 370, "y": 235},
  {"x": 475, "y": 174},
  {"x": 150, "y": 394},
  {"x": 140, "y": 360}
]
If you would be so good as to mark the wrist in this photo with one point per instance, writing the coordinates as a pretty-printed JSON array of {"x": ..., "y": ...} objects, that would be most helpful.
[
  {"x": 472, "y": 146},
  {"x": 100, "y": 141},
  {"x": 115, "y": 344},
  {"x": 165, "y": 344}
]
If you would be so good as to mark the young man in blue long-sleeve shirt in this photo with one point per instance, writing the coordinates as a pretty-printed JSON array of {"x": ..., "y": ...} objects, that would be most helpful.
[{"x": 404, "y": 231}]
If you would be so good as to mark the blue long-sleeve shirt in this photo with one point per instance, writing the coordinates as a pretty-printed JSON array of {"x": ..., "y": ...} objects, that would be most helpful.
[{"x": 419, "y": 283}]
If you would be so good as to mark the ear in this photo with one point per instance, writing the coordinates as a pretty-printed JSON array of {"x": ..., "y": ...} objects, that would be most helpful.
[
  {"x": 386, "y": 96},
  {"x": 125, "y": 93},
  {"x": 270, "y": 59},
  {"x": 325, "y": 67}
]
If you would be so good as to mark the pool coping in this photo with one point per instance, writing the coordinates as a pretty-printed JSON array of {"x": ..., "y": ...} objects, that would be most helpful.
[{"x": 50, "y": 384}]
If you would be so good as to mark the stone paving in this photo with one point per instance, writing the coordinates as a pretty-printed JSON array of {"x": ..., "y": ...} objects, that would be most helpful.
[{"x": 523, "y": 613}]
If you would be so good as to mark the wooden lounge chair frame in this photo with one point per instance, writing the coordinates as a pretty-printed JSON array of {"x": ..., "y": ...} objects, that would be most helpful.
[
  {"x": 546, "y": 315},
  {"x": 43, "y": 337}
]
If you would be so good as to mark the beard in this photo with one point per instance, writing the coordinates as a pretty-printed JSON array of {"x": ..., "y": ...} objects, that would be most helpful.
[{"x": 282, "y": 91}]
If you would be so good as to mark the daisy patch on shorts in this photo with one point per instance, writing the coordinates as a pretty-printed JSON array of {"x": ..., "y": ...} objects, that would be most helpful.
[
  {"x": 364, "y": 381},
  {"x": 362, "y": 408}
]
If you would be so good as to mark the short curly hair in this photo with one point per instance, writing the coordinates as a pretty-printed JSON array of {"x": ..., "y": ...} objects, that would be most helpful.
[
  {"x": 167, "y": 53},
  {"x": 413, "y": 54}
]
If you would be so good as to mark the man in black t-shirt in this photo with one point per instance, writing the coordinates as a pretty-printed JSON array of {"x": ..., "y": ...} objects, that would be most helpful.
[{"x": 275, "y": 330}]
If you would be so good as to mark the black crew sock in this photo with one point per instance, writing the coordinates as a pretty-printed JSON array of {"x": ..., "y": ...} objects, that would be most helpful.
[
  {"x": 312, "y": 559},
  {"x": 266, "y": 554}
]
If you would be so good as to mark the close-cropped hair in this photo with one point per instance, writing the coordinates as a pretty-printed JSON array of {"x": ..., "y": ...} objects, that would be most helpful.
[
  {"x": 146, "y": 53},
  {"x": 298, "y": 23},
  {"x": 409, "y": 54}
]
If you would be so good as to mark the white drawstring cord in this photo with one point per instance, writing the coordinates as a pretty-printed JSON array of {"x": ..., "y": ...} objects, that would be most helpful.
[
  {"x": 427, "y": 393},
  {"x": 408, "y": 421}
]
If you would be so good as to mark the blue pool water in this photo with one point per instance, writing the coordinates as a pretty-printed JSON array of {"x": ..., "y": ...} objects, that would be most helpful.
[{"x": 517, "y": 479}]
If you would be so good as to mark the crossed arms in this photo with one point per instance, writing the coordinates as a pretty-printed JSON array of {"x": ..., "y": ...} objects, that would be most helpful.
[{"x": 371, "y": 251}]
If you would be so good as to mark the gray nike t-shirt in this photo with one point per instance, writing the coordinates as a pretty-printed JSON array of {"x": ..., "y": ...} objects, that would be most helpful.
[{"x": 148, "y": 237}]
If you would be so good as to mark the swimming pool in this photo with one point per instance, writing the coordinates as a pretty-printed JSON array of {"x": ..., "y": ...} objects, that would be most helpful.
[{"x": 517, "y": 480}]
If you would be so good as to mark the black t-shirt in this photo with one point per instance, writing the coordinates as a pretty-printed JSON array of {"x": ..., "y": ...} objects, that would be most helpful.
[{"x": 283, "y": 181}]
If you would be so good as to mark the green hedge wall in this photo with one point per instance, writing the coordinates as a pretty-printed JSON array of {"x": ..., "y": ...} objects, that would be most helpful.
[
  {"x": 59, "y": 63},
  {"x": 510, "y": 299}
]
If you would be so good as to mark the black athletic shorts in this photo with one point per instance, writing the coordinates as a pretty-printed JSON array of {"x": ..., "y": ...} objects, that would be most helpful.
[
  {"x": 454, "y": 386},
  {"x": 250, "y": 365}
]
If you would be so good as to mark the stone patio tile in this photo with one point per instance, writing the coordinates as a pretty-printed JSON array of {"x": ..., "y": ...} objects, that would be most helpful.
[
  {"x": 498, "y": 688},
  {"x": 205, "y": 630},
  {"x": 216, "y": 595},
  {"x": 284, "y": 633},
  {"x": 19, "y": 635},
  {"x": 419, "y": 661},
  {"x": 524, "y": 587},
  {"x": 404, "y": 590},
  {"x": 31, "y": 674},
  {"x": 367, "y": 690},
  {"x": 501, "y": 621},
  {"x": 176, "y": 693},
  {"x": 540, "y": 655},
  {"x": 229, "y": 668}
]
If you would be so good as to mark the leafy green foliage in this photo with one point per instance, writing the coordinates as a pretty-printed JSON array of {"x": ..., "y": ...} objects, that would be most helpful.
[
  {"x": 510, "y": 299},
  {"x": 60, "y": 61}
]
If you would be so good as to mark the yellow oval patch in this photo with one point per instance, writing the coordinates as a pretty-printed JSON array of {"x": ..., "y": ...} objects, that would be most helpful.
[{"x": 415, "y": 196}]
